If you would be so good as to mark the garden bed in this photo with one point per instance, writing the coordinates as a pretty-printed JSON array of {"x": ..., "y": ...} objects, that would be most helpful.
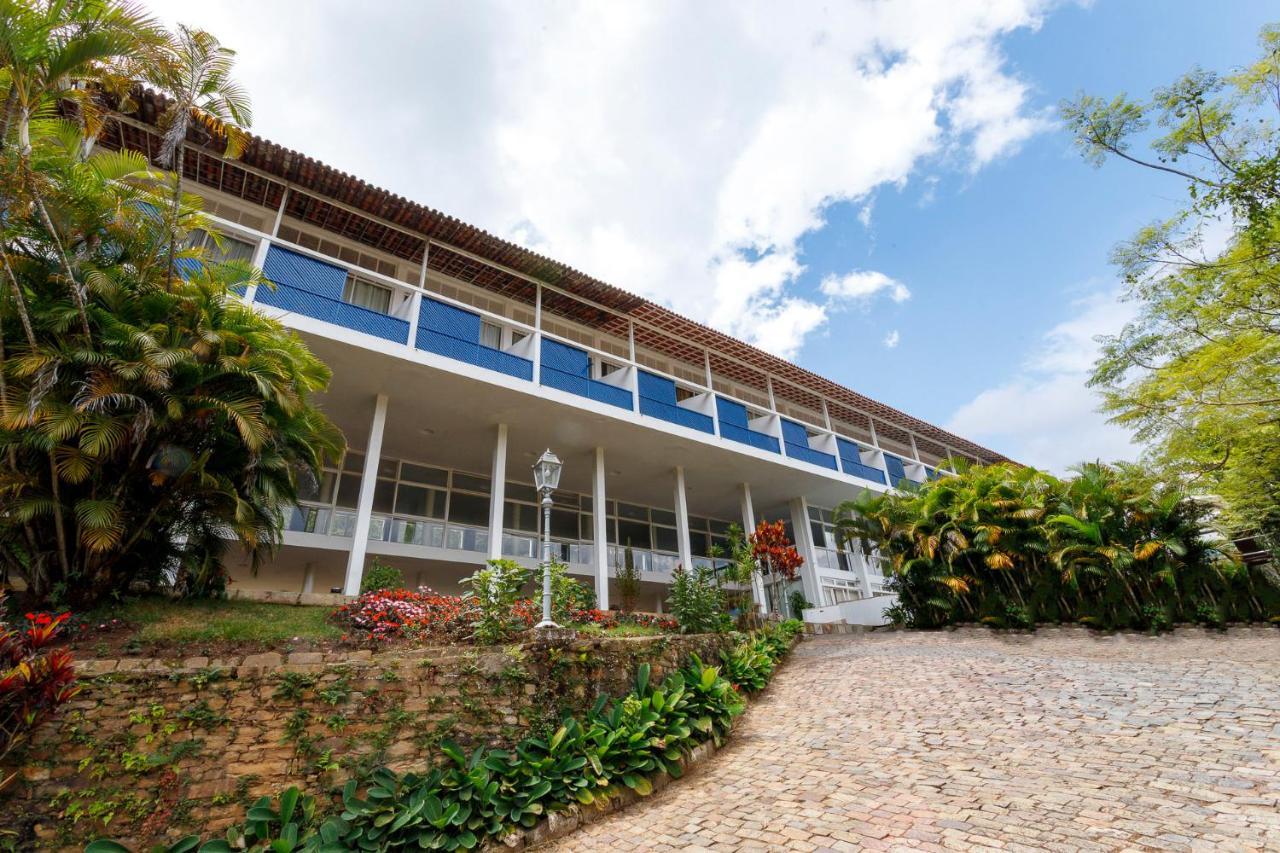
[{"x": 166, "y": 628}]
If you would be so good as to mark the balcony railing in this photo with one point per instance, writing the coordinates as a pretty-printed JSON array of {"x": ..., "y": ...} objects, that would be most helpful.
[
  {"x": 830, "y": 558},
  {"x": 335, "y": 311},
  {"x": 307, "y": 285}
]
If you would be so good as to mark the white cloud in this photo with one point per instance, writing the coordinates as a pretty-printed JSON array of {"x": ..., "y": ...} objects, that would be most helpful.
[
  {"x": 1045, "y": 415},
  {"x": 862, "y": 285},
  {"x": 891, "y": 340},
  {"x": 681, "y": 151}
]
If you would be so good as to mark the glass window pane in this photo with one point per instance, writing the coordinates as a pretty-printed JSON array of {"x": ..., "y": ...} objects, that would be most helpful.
[
  {"x": 423, "y": 474},
  {"x": 565, "y": 499},
  {"x": 387, "y": 468},
  {"x": 471, "y": 483},
  {"x": 586, "y": 532},
  {"x": 639, "y": 513},
  {"x": 815, "y": 513},
  {"x": 611, "y": 531},
  {"x": 696, "y": 523},
  {"x": 353, "y": 462},
  {"x": 634, "y": 534},
  {"x": 311, "y": 488},
  {"x": 233, "y": 249},
  {"x": 469, "y": 509},
  {"x": 698, "y": 542},
  {"x": 564, "y": 524},
  {"x": 522, "y": 517},
  {"x": 665, "y": 539},
  {"x": 521, "y": 492},
  {"x": 384, "y": 496},
  {"x": 366, "y": 294},
  {"x": 662, "y": 516},
  {"x": 349, "y": 491},
  {"x": 490, "y": 335},
  {"x": 411, "y": 500}
]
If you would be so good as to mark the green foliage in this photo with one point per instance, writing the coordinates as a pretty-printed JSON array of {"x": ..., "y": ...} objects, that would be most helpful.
[
  {"x": 626, "y": 579},
  {"x": 1011, "y": 547},
  {"x": 697, "y": 602},
  {"x": 568, "y": 595},
  {"x": 797, "y": 604},
  {"x": 478, "y": 797},
  {"x": 148, "y": 419},
  {"x": 381, "y": 576},
  {"x": 1196, "y": 375},
  {"x": 495, "y": 589}
]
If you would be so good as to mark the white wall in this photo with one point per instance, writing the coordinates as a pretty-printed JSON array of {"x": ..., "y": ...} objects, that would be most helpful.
[{"x": 864, "y": 611}]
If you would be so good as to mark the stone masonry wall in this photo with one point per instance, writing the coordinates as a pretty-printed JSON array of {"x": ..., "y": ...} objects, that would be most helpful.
[{"x": 155, "y": 749}]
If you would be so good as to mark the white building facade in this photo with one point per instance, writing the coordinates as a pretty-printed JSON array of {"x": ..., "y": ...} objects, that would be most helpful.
[{"x": 458, "y": 358}]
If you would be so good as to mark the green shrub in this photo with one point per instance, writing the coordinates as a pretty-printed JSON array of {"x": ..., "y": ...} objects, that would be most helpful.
[
  {"x": 495, "y": 590},
  {"x": 798, "y": 604},
  {"x": 482, "y": 796},
  {"x": 697, "y": 602},
  {"x": 380, "y": 576}
]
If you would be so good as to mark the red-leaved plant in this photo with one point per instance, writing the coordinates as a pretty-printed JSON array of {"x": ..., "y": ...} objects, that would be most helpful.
[
  {"x": 34, "y": 679},
  {"x": 774, "y": 551}
]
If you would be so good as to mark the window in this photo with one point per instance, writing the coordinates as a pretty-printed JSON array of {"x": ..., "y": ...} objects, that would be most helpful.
[
  {"x": 607, "y": 367},
  {"x": 683, "y": 394},
  {"x": 231, "y": 248},
  {"x": 469, "y": 509},
  {"x": 517, "y": 336},
  {"x": 366, "y": 294},
  {"x": 490, "y": 335}
]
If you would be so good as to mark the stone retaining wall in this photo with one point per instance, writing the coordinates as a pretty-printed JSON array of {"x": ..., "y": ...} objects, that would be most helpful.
[{"x": 155, "y": 749}]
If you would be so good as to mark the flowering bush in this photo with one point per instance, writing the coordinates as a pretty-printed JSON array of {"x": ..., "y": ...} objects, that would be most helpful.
[
  {"x": 393, "y": 613},
  {"x": 34, "y": 680},
  {"x": 387, "y": 613}
]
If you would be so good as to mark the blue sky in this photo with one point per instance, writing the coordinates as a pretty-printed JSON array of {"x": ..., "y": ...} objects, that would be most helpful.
[
  {"x": 879, "y": 191},
  {"x": 996, "y": 259}
]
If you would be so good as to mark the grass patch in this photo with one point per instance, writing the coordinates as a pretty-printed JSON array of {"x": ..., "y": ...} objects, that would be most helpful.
[
  {"x": 162, "y": 620},
  {"x": 592, "y": 630}
]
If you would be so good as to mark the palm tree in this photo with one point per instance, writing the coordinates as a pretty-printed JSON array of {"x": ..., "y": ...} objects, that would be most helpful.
[
  {"x": 202, "y": 93},
  {"x": 179, "y": 425},
  {"x": 49, "y": 50}
]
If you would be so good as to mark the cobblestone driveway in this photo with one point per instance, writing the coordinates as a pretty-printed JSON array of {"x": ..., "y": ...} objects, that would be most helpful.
[{"x": 968, "y": 740}]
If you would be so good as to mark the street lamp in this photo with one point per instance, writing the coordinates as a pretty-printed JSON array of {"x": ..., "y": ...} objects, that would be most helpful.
[{"x": 546, "y": 477}]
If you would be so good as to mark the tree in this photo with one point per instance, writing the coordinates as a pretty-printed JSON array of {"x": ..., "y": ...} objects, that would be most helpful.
[
  {"x": 196, "y": 74},
  {"x": 1197, "y": 374},
  {"x": 774, "y": 554},
  {"x": 1012, "y": 546},
  {"x": 626, "y": 575},
  {"x": 147, "y": 421}
]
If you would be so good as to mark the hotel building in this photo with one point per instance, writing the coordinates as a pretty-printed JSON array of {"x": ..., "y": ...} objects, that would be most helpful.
[{"x": 458, "y": 358}]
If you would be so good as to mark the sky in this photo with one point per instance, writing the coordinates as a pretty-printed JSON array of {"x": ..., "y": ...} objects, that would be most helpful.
[{"x": 880, "y": 192}]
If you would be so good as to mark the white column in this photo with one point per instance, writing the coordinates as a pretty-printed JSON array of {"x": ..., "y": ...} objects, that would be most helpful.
[
  {"x": 364, "y": 511},
  {"x": 804, "y": 544},
  {"x": 682, "y": 521},
  {"x": 259, "y": 259},
  {"x": 497, "y": 493},
  {"x": 599, "y": 532},
  {"x": 749, "y": 526},
  {"x": 862, "y": 569},
  {"x": 537, "y": 335}
]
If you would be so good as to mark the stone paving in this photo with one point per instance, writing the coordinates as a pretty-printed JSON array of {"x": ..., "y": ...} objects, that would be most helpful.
[{"x": 971, "y": 740}]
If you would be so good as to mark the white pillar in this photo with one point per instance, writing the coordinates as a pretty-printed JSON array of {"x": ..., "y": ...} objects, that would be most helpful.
[
  {"x": 862, "y": 569},
  {"x": 497, "y": 493},
  {"x": 600, "y": 532},
  {"x": 682, "y": 521},
  {"x": 749, "y": 526},
  {"x": 364, "y": 511},
  {"x": 809, "y": 581}
]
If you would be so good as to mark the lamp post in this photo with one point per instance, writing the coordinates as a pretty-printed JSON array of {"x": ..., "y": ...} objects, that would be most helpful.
[{"x": 546, "y": 477}]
